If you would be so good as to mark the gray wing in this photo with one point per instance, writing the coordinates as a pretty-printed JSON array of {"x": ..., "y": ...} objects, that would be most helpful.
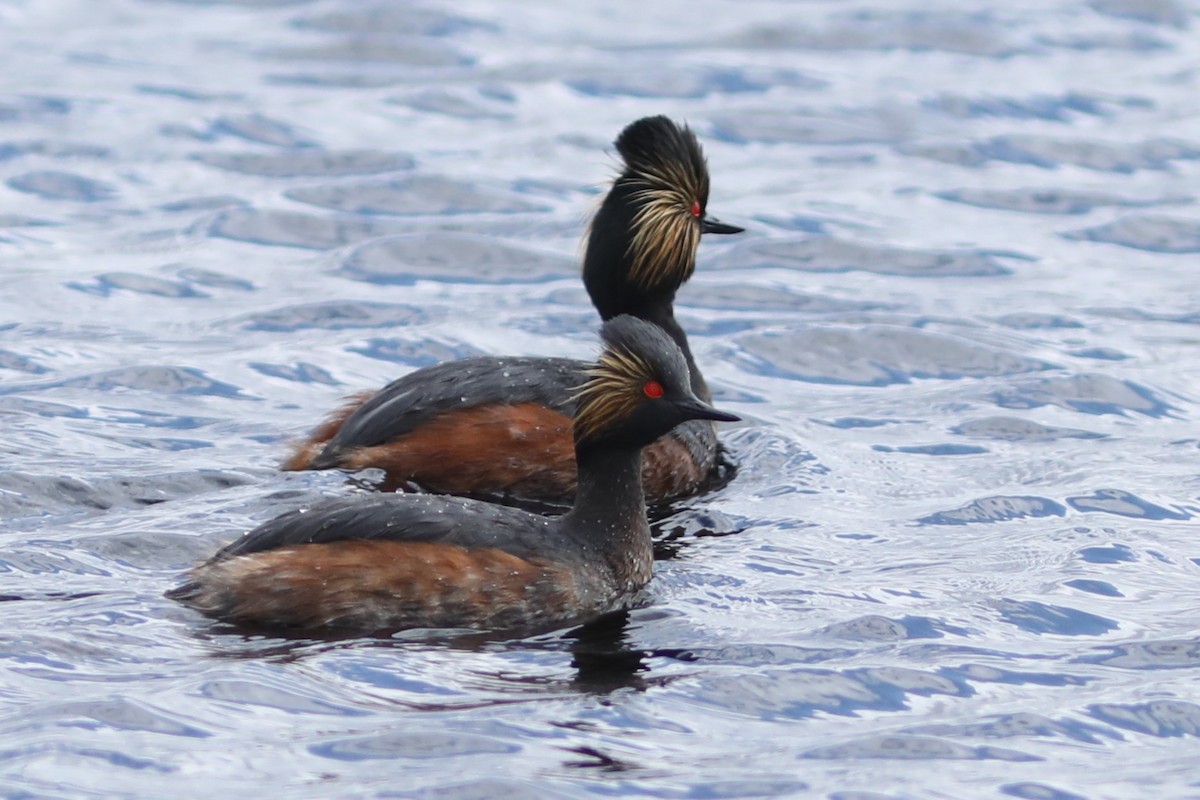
[
  {"x": 401, "y": 518},
  {"x": 408, "y": 402}
]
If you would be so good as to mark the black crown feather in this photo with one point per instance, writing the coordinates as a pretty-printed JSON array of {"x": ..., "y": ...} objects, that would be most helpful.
[
  {"x": 665, "y": 168},
  {"x": 634, "y": 352}
]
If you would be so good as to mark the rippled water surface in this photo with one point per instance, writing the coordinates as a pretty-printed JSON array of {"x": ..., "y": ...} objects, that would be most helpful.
[{"x": 959, "y": 558}]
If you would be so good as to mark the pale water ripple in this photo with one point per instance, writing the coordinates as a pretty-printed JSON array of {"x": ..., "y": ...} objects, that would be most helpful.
[{"x": 958, "y": 557}]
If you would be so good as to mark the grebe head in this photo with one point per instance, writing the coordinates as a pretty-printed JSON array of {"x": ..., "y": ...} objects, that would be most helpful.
[
  {"x": 642, "y": 242},
  {"x": 638, "y": 390}
]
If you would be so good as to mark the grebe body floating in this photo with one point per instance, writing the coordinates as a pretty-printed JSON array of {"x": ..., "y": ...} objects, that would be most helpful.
[
  {"x": 380, "y": 562},
  {"x": 500, "y": 428}
]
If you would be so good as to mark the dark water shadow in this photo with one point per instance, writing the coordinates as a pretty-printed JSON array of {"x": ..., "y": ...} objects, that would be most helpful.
[
  {"x": 602, "y": 657},
  {"x": 45, "y": 597}
]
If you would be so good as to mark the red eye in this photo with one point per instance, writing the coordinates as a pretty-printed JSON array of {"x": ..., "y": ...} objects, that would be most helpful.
[
  {"x": 695, "y": 208},
  {"x": 653, "y": 389}
]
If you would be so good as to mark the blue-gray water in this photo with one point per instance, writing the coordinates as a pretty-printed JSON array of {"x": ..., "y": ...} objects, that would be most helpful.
[{"x": 959, "y": 559}]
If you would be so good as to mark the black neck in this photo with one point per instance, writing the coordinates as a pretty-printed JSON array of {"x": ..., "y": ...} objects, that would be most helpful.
[
  {"x": 609, "y": 514},
  {"x": 662, "y": 314},
  {"x": 606, "y": 266}
]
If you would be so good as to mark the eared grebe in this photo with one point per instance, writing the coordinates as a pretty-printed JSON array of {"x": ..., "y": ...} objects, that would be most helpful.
[
  {"x": 501, "y": 427},
  {"x": 385, "y": 561}
]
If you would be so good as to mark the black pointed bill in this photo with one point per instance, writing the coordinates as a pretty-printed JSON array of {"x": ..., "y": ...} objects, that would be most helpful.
[
  {"x": 711, "y": 225},
  {"x": 697, "y": 409}
]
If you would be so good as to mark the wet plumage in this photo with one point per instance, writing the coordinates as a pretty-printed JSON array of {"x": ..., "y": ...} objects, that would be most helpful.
[
  {"x": 668, "y": 179},
  {"x": 386, "y": 561},
  {"x": 500, "y": 427}
]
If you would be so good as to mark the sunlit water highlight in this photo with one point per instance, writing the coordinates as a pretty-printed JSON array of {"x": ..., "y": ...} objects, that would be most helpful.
[{"x": 958, "y": 560}]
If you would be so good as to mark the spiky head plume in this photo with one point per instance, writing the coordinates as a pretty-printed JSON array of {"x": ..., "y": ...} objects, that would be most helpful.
[
  {"x": 666, "y": 168},
  {"x": 655, "y": 208},
  {"x": 636, "y": 354}
]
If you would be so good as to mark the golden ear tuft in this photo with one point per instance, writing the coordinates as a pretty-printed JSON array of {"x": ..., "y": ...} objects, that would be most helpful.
[
  {"x": 665, "y": 239},
  {"x": 670, "y": 179},
  {"x": 612, "y": 392}
]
